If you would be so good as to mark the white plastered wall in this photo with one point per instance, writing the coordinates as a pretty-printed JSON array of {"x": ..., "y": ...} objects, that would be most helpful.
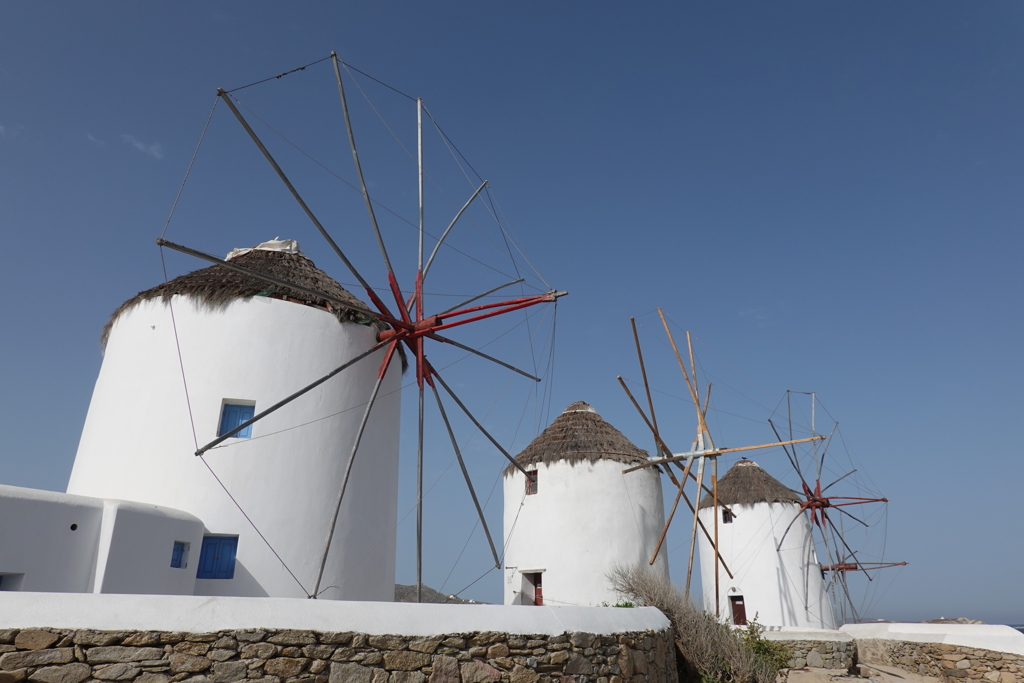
[
  {"x": 780, "y": 587},
  {"x": 585, "y": 519},
  {"x": 114, "y": 547},
  {"x": 138, "y": 441}
]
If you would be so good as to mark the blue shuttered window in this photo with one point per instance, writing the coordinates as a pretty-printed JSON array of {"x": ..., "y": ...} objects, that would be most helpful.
[
  {"x": 217, "y": 558},
  {"x": 178, "y": 554},
  {"x": 233, "y": 415}
]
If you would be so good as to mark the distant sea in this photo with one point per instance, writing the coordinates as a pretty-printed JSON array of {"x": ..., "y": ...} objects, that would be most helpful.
[{"x": 1019, "y": 627}]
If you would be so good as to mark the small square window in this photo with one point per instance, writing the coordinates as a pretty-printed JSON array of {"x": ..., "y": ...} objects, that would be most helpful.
[
  {"x": 217, "y": 557},
  {"x": 234, "y": 414},
  {"x": 531, "y": 482},
  {"x": 726, "y": 517},
  {"x": 179, "y": 555}
]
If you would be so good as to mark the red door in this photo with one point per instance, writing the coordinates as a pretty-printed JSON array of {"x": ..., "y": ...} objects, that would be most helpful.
[{"x": 739, "y": 610}]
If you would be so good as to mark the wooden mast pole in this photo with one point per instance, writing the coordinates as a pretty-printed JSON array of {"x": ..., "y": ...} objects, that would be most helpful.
[{"x": 714, "y": 487}]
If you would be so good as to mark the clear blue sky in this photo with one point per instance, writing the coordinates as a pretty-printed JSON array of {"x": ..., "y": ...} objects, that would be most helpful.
[{"x": 829, "y": 196}]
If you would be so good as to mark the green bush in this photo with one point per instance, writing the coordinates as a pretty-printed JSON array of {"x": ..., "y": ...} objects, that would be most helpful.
[{"x": 774, "y": 653}]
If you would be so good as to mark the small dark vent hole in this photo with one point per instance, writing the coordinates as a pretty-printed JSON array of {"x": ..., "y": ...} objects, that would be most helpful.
[{"x": 74, "y": 527}]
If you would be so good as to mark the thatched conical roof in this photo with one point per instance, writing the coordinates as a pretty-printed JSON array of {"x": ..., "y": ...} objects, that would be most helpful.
[
  {"x": 576, "y": 435},
  {"x": 746, "y": 484},
  {"x": 216, "y": 286}
]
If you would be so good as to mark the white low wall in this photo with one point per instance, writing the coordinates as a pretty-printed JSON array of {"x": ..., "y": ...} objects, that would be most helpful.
[
  {"x": 197, "y": 614},
  {"x": 993, "y": 637}
]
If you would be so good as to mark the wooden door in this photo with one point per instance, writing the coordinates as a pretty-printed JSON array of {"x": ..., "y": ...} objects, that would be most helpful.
[{"x": 739, "y": 610}]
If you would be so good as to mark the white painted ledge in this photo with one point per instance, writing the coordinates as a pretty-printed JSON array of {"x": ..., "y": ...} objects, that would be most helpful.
[
  {"x": 792, "y": 633},
  {"x": 985, "y": 636},
  {"x": 199, "y": 614}
]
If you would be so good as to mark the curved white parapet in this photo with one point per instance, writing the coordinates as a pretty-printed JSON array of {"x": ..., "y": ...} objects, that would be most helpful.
[
  {"x": 196, "y": 614},
  {"x": 995, "y": 637},
  {"x": 584, "y": 520},
  {"x": 786, "y": 633},
  {"x": 138, "y": 442}
]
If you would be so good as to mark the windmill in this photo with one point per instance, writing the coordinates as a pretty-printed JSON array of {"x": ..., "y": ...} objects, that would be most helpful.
[
  {"x": 841, "y": 558},
  {"x": 409, "y": 321},
  {"x": 813, "y": 510},
  {"x": 702, "y": 449}
]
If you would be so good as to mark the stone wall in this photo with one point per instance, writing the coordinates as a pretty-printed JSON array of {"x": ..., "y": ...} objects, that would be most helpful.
[
  {"x": 44, "y": 655},
  {"x": 949, "y": 662},
  {"x": 821, "y": 654}
]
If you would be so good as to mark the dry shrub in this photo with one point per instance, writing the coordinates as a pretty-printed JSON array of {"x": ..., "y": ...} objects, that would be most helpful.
[{"x": 713, "y": 651}]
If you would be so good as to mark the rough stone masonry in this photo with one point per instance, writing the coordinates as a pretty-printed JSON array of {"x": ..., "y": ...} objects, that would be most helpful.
[{"x": 45, "y": 655}]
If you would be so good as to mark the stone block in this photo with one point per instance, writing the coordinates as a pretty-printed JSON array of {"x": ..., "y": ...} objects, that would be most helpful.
[
  {"x": 373, "y": 659},
  {"x": 992, "y": 676},
  {"x": 68, "y": 673},
  {"x": 117, "y": 653},
  {"x": 19, "y": 660},
  {"x": 581, "y": 639},
  {"x": 625, "y": 662},
  {"x": 201, "y": 637},
  {"x": 639, "y": 663},
  {"x": 318, "y": 651},
  {"x": 814, "y": 659},
  {"x": 407, "y": 677},
  {"x": 293, "y": 638},
  {"x": 380, "y": 676},
  {"x": 226, "y": 643},
  {"x": 445, "y": 670},
  {"x": 7, "y": 635},
  {"x": 505, "y": 663},
  {"x": 153, "y": 678},
  {"x": 116, "y": 672},
  {"x": 350, "y": 673},
  {"x": 479, "y": 672},
  {"x": 142, "y": 639},
  {"x": 96, "y": 638},
  {"x": 183, "y": 663},
  {"x": 559, "y": 657},
  {"x": 250, "y": 636},
  {"x": 220, "y": 655},
  {"x": 497, "y": 650},
  {"x": 13, "y": 676},
  {"x": 578, "y": 664},
  {"x": 425, "y": 645},
  {"x": 191, "y": 648},
  {"x": 285, "y": 666},
  {"x": 291, "y": 651},
  {"x": 387, "y": 642},
  {"x": 1006, "y": 677},
  {"x": 33, "y": 639},
  {"x": 405, "y": 661},
  {"x": 258, "y": 650},
  {"x": 455, "y": 642},
  {"x": 963, "y": 664},
  {"x": 317, "y": 666},
  {"x": 336, "y": 637},
  {"x": 520, "y": 674},
  {"x": 228, "y": 672}
]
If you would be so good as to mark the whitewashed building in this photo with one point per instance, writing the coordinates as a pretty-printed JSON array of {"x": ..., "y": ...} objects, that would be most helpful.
[
  {"x": 187, "y": 361},
  {"x": 578, "y": 516},
  {"x": 776, "y": 574}
]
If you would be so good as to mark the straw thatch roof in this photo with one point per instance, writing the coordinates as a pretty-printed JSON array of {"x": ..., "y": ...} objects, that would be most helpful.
[
  {"x": 579, "y": 434},
  {"x": 217, "y": 286},
  {"x": 746, "y": 484}
]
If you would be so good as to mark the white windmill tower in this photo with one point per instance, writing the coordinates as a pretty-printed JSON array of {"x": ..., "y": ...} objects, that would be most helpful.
[
  {"x": 233, "y": 345},
  {"x": 765, "y": 538},
  {"x": 574, "y": 516}
]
